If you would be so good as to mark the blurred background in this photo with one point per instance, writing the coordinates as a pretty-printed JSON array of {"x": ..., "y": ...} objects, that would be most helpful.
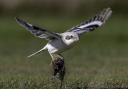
[
  {"x": 101, "y": 57},
  {"x": 60, "y": 7}
]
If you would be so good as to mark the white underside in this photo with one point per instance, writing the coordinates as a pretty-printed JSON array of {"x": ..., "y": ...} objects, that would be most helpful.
[{"x": 57, "y": 46}]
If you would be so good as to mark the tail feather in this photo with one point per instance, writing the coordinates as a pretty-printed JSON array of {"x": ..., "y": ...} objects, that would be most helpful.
[{"x": 37, "y": 52}]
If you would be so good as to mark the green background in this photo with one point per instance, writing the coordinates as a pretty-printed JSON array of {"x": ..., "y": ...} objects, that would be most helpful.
[{"x": 100, "y": 59}]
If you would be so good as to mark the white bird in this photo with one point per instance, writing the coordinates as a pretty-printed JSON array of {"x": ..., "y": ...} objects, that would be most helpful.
[{"x": 59, "y": 42}]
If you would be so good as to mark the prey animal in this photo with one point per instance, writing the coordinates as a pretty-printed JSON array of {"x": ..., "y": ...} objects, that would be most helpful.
[{"x": 59, "y": 42}]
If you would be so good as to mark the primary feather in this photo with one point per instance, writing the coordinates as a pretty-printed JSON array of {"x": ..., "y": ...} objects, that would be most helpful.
[
  {"x": 37, "y": 31},
  {"x": 89, "y": 25}
]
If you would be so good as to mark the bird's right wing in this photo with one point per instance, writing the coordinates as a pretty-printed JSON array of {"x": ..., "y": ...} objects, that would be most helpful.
[
  {"x": 37, "y": 31},
  {"x": 91, "y": 24}
]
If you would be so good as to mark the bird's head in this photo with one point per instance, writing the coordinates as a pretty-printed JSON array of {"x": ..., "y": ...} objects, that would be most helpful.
[{"x": 70, "y": 37}]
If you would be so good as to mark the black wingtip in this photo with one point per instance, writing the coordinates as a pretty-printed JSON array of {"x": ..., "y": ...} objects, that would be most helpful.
[
  {"x": 20, "y": 21},
  {"x": 17, "y": 19}
]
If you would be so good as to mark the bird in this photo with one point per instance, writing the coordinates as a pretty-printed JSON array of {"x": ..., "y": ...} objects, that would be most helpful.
[{"x": 60, "y": 42}]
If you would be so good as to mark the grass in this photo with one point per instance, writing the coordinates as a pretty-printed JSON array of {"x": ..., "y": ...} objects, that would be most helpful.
[{"x": 99, "y": 60}]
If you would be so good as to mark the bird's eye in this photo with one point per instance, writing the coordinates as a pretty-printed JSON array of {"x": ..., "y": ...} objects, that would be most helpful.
[
  {"x": 68, "y": 37},
  {"x": 71, "y": 36}
]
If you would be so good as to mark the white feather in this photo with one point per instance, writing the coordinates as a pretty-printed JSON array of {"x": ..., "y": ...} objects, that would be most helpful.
[{"x": 99, "y": 23}]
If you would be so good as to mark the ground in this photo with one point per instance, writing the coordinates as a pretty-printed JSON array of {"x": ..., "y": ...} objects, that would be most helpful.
[{"x": 100, "y": 59}]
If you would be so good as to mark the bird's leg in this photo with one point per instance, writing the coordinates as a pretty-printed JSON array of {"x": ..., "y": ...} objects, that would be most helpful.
[{"x": 58, "y": 67}]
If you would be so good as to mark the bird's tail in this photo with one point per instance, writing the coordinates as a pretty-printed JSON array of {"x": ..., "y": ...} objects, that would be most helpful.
[{"x": 44, "y": 48}]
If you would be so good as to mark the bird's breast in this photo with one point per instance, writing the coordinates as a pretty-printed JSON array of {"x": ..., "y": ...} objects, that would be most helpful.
[{"x": 56, "y": 46}]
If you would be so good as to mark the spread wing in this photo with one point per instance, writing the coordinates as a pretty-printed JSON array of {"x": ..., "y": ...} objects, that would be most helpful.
[
  {"x": 89, "y": 25},
  {"x": 37, "y": 31}
]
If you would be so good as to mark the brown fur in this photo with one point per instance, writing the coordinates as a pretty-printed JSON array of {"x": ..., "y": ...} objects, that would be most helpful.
[{"x": 58, "y": 66}]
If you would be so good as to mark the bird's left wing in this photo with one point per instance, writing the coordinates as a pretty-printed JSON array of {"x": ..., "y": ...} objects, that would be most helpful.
[
  {"x": 37, "y": 31},
  {"x": 96, "y": 21}
]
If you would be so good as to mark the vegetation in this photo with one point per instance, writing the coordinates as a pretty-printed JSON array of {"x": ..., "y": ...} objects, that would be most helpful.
[
  {"x": 100, "y": 59},
  {"x": 64, "y": 7}
]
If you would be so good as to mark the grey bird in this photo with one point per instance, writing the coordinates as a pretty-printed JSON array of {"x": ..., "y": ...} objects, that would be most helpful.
[{"x": 59, "y": 42}]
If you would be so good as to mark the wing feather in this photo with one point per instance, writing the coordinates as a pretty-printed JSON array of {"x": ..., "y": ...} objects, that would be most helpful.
[
  {"x": 37, "y": 31},
  {"x": 90, "y": 25}
]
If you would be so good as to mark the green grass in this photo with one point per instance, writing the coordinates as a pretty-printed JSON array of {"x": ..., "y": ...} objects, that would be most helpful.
[{"x": 100, "y": 59}]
